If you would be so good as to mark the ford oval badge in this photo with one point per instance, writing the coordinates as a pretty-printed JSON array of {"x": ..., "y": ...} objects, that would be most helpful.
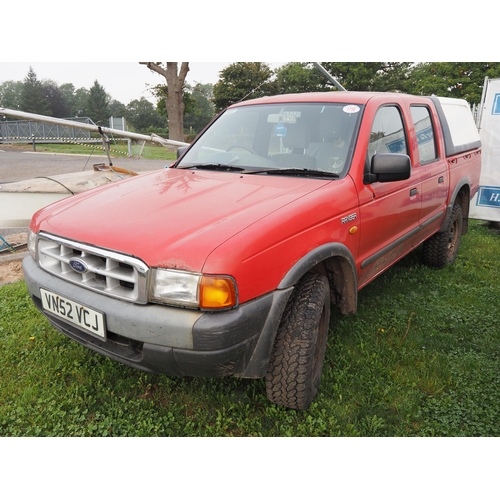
[{"x": 78, "y": 265}]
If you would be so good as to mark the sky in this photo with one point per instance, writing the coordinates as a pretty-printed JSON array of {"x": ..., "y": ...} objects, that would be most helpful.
[{"x": 90, "y": 37}]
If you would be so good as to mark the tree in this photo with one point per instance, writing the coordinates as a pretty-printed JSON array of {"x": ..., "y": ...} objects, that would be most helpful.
[
  {"x": 141, "y": 114},
  {"x": 10, "y": 94},
  {"x": 98, "y": 103},
  {"x": 174, "y": 101},
  {"x": 33, "y": 99},
  {"x": 117, "y": 108},
  {"x": 68, "y": 92},
  {"x": 371, "y": 76},
  {"x": 299, "y": 77},
  {"x": 76, "y": 99},
  {"x": 202, "y": 109},
  {"x": 242, "y": 80},
  {"x": 464, "y": 80},
  {"x": 80, "y": 103},
  {"x": 58, "y": 104}
]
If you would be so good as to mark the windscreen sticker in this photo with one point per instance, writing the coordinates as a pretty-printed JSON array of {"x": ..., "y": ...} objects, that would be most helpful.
[
  {"x": 280, "y": 130},
  {"x": 351, "y": 108}
]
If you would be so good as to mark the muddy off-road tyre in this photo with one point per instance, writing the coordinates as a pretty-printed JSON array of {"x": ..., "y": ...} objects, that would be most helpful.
[
  {"x": 442, "y": 248},
  {"x": 294, "y": 371}
]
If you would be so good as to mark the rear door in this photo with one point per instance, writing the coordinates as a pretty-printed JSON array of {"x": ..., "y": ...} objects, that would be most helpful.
[{"x": 432, "y": 163}]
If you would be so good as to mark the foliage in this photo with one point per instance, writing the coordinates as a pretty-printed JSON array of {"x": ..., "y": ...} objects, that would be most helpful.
[
  {"x": 452, "y": 79},
  {"x": 160, "y": 92},
  {"x": 246, "y": 80},
  {"x": 174, "y": 94},
  {"x": 10, "y": 94},
  {"x": 242, "y": 80},
  {"x": 141, "y": 114},
  {"x": 299, "y": 77},
  {"x": 371, "y": 76},
  {"x": 117, "y": 108},
  {"x": 420, "y": 358},
  {"x": 76, "y": 99},
  {"x": 98, "y": 104},
  {"x": 201, "y": 109},
  {"x": 59, "y": 106},
  {"x": 464, "y": 80},
  {"x": 33, "y": 98}
]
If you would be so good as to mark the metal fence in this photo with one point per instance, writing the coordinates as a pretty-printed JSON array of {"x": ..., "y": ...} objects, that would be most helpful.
[{"x": 25, "y": 130}]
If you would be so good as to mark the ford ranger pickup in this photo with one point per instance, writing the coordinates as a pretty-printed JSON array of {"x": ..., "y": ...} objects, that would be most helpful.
[{"x": 227, "y": 263}]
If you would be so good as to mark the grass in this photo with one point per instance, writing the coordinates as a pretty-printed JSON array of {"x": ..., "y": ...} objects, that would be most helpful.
[
  {"x": 117, "y": 150},
  {"x": 420, "y": 358}
]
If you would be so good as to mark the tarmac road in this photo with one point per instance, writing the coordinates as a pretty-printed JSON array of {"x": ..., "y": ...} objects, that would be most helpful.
[{"x": 18, "y": 165}]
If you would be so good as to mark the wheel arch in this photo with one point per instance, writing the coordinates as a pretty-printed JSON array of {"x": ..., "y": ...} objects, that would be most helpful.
[
  {"x": 460, "y": 196},
  {"x": 335, "y": 261}
]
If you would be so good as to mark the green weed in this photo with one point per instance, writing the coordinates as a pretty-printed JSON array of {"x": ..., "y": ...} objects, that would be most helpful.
[{"x": 420, "y": 358}]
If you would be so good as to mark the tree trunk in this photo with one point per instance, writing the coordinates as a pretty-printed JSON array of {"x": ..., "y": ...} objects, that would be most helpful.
[{"x": 175, "y": 98}]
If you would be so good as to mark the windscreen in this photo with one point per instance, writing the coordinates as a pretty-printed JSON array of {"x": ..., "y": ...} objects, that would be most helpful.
[{"x": 313, "y": 136}]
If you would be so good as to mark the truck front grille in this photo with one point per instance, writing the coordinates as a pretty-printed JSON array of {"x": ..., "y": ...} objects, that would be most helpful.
[{"x": 104, "y": 271}]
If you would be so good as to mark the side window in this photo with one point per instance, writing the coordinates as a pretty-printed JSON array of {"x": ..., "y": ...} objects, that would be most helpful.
[
  {"x": 425, "y": 133},
  {"x": 388, "y": 133}
]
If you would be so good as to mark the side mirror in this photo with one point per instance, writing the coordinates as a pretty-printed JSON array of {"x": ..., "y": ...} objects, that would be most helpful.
[
  {"x": 180, "y": 151},
  {"x": 386, "y": 167}
]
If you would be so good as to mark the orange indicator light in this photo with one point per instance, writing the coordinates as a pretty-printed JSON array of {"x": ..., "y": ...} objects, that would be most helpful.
[{"x": 217, "y": 293}]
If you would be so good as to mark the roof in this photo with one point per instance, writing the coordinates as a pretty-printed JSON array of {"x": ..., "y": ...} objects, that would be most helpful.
[{"x": 353, "y": 97}]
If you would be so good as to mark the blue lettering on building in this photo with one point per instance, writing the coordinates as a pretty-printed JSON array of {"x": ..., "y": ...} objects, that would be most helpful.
[
  {"x": 488, "y": 197},
  {"x": 397, "y": 146},
  {"x": 496, "y": 105},
  {"x": 425, "y": 135}
]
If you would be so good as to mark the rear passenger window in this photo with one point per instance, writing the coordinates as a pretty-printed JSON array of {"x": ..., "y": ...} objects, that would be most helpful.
[
  {"x": 388, "y": 133},
  {"x": 425, "y": 133}
]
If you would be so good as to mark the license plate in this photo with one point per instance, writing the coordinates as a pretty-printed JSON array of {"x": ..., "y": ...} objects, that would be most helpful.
[{"x": 82, "y": 316}]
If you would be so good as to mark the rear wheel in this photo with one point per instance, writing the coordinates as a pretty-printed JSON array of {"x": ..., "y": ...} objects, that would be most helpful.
[
  {"x": 295, "y": 366},
  {"x": 442, "y": 248}
]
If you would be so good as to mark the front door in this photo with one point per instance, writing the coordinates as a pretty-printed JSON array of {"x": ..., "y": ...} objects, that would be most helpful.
[{"x": 390, "y": 211}]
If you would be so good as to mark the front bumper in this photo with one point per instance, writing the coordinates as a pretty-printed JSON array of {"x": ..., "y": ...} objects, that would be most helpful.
[{"x": 169, "y": 340}]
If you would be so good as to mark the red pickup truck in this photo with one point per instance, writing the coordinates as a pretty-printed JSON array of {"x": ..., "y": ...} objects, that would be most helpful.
[{"x": 227, "y": 263}]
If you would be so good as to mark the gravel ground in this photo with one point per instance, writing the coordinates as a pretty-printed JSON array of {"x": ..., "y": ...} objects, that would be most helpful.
[
  {"x": 11, "y": 262},
  {"x": 17, "y": 164}
]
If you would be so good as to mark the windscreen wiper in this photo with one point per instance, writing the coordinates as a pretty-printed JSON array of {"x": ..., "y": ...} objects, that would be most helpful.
[
  {"x": 222, "y": 167},
  {"x": 306, "y": 172}
]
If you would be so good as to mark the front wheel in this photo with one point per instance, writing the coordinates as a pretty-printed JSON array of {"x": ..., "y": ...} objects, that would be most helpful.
[
  {"x": 295, "y": 366},
  {"x": 442, "y": 248}
]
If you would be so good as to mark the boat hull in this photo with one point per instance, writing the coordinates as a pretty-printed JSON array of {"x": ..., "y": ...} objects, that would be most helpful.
[{"x": 20, "y": 200}]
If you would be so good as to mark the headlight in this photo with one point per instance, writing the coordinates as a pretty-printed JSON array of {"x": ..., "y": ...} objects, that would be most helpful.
[
  {"x": 32, "y": 243},
  {"x": 193, "y": 290},
  {"x": 175, "y": 287}
]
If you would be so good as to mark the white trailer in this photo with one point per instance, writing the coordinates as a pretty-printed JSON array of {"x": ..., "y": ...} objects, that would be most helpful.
[{"x": 486, "y": 203}]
